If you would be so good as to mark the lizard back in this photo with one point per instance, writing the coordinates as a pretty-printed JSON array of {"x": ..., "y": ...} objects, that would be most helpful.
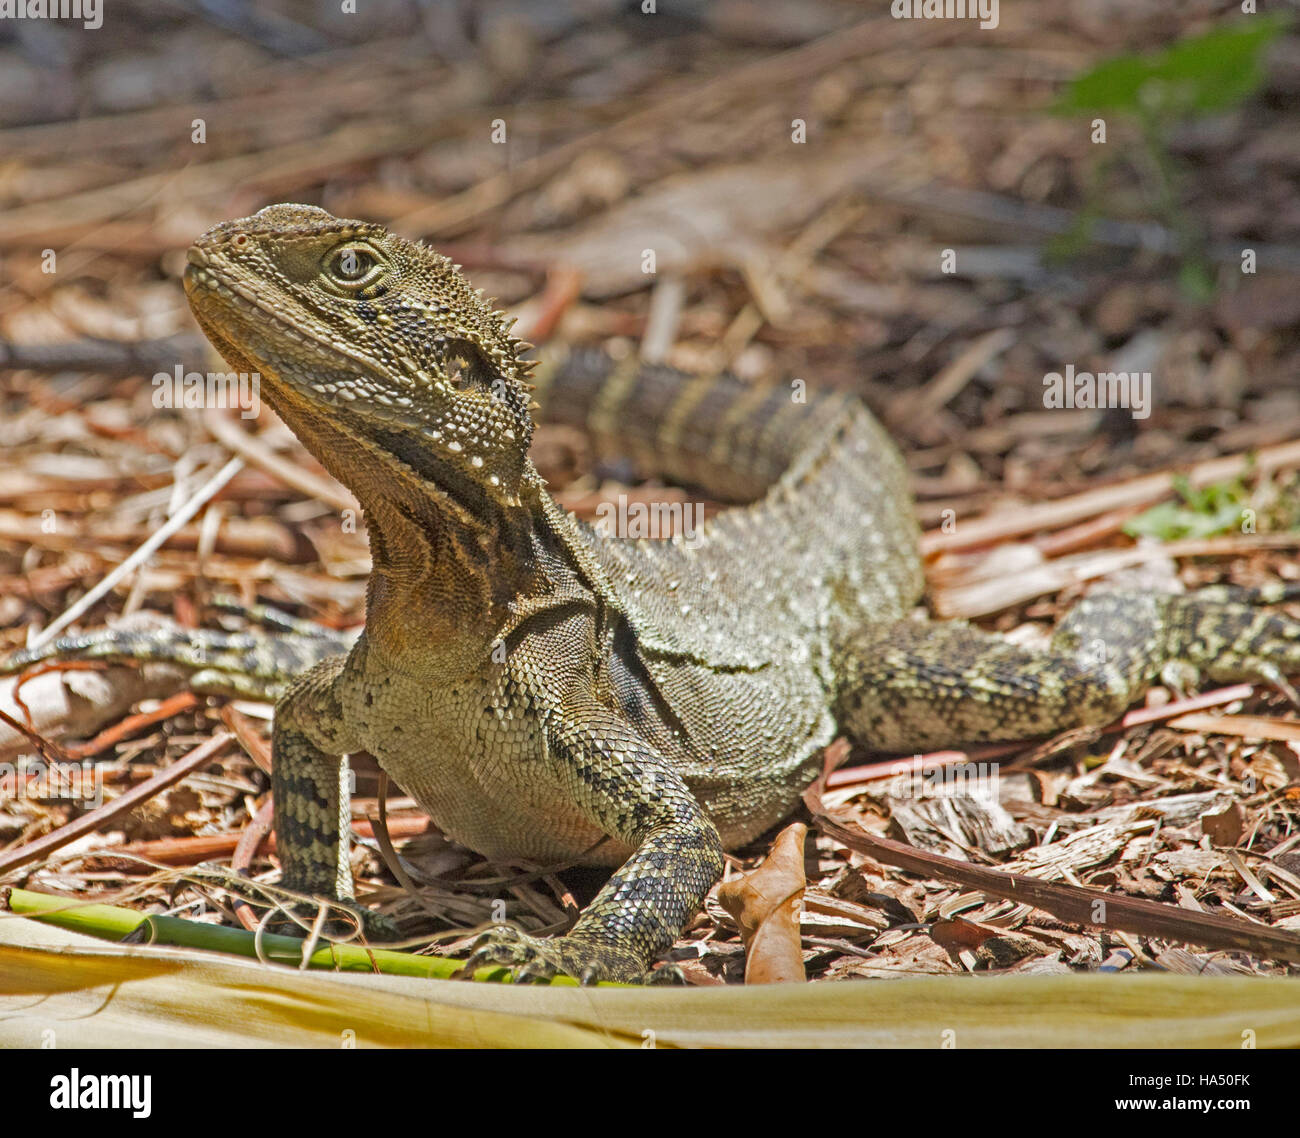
[
  {"x": 736, "y": 626},
  {"x": 824, "y": 522}
]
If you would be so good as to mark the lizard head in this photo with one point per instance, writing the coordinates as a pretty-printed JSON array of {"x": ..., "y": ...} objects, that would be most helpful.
[{"x": 370, "y": 342}]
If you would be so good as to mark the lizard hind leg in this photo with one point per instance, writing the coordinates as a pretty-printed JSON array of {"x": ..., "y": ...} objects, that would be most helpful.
[{"x": 913, "y": 685}]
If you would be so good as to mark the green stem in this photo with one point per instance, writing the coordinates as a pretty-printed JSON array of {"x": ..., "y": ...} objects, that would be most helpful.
[
  {"x": 1169, "y": 207},
  {"x": 110, "y": 922}
]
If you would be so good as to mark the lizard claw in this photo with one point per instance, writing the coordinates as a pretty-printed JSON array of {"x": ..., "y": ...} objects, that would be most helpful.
[
  {"x": 533, "y": 959},
  {"x": 528, "y": 958},
  {"x": 665, "y": 974},
  {"x": 378, "y": 927},
  {"x": 535, "y": 972}
]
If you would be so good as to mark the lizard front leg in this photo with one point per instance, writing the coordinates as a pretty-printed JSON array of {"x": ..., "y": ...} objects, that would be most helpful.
[
  {"x": 632, "y": 793},
  {"x": 310, "y": 787}
]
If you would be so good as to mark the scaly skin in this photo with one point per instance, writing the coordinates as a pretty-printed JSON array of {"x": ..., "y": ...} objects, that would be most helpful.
[{"x": 550, "y": 692}]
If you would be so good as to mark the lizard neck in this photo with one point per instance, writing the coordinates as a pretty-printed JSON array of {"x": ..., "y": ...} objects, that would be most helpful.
[
  {"x": 445, "y": 571},
  {"x": 441, "y": 589}
]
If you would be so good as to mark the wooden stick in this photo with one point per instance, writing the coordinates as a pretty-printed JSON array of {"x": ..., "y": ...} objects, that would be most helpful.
[
  {"x": 1074, "y": 903},
  {"x": 197, "y": 501},
  {"x": 1142, "y": 491},
  {"x": 122, "y": 804}
]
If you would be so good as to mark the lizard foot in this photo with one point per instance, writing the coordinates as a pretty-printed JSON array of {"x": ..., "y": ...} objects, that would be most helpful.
[
  {"x": 665, "y": 975},
  {"x": 534, "y": 959}
]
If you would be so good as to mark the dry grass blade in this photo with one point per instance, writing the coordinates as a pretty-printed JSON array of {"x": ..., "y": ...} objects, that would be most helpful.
[
  {"x": 161, "y": 997},
  {"x": 1137, "y": 492}
]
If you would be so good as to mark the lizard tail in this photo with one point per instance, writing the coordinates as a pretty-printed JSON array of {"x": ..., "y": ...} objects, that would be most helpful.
[{"x": 727, "y": 437}]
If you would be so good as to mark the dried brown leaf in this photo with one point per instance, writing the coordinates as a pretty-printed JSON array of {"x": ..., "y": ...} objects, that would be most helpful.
[{"x": 765, "y": 903}]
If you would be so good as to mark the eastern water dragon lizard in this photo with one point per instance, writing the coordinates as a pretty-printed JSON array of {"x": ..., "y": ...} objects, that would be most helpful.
[{"x": 547, "y": 691}]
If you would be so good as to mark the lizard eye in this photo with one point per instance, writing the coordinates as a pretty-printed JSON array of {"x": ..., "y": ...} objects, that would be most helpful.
[{"x": 352, "y": 265}]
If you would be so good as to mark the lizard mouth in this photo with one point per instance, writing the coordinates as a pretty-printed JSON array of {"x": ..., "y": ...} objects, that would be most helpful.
[
  {"x": 268, "y": 335},
  {"x": 205, "y": 285}
]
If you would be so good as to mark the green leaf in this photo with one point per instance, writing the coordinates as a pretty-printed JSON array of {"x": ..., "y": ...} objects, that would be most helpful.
[
  {"x": 1206, "y": 73},
  {"x": 1205, "y": 512}
]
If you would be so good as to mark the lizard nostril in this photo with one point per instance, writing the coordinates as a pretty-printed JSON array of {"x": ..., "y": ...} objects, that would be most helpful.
[{"x": 240, "y": 240}]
